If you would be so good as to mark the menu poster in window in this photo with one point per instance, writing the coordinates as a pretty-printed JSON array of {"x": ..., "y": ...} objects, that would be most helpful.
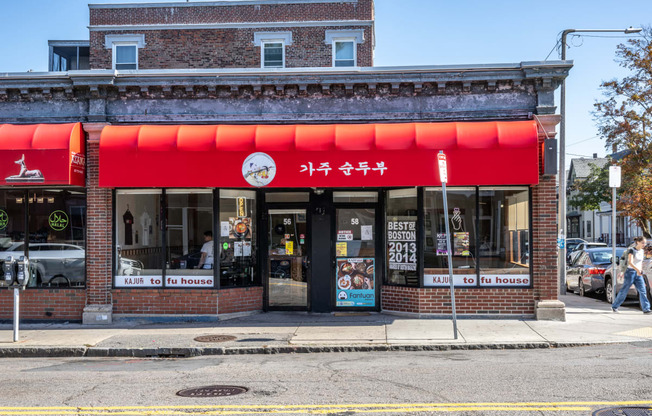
[
  {"x": 340, "y": 249},
  {"x": 461, "y": 244},
  {"x": 239, "y": 227},
  {"x": 441, "y": 244},
  {"x": 355, "y": 282}
]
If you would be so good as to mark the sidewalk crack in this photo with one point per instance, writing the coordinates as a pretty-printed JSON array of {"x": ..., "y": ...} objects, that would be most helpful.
[{"x": 536, "y": 332}]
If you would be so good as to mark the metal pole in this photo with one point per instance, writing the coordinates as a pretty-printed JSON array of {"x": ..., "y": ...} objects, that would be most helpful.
[
  {"x": 450, "y": 260},
  {"x": 614, "y": 270},
  {"x": 16, "y": 310},
  {"x": 562, "y": 173}
]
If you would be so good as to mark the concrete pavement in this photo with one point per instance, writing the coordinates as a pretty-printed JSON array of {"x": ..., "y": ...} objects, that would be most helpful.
[{"x": 588, "y": 321}]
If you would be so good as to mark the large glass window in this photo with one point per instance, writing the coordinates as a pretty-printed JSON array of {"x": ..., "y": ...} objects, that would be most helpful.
[
  {"x": 56, "y": 232},
  {"x": 237, "y": 240},
  {"x": 461, "y": 216},
  {"x": 138, "y": 239},
  {"x": 401, "y": 226},
  {"x": 190, "y": 247},
  {"x": 504, "y": 236}
]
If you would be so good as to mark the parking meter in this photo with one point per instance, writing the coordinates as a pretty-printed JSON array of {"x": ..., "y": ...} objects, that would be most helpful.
[
  {"x": 22, "y": 271},
  {"x": 8, "y": 271}
]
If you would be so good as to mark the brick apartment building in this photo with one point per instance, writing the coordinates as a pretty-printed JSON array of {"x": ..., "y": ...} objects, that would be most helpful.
[{"x": 199, "y": 159}]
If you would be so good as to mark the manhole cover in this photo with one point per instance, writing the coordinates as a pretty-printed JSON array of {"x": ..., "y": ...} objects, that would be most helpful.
[
  {"x": 212, "y": 391},
  {"x": 624, "y": 411},
  {"x": 215, "y": 338}
]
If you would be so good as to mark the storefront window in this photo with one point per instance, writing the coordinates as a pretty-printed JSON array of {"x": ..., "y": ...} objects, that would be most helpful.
[
  {"x": 401, "y": 226},
  {"x": 56, "y": 233},
  {"x": 189, "y": 225},
  {"x": 461, "y": 217},
  {"x": 504, "y": 233},
  {"x": 138, "y": 239},
  {"x": 237, "y": 239}
]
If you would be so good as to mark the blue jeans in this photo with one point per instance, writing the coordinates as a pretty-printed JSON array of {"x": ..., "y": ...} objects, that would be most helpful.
[{"x": 632, "y": 278}]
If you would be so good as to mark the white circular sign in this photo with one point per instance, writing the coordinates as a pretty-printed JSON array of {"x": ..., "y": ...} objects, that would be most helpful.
[{"x": 259, "y": 169}]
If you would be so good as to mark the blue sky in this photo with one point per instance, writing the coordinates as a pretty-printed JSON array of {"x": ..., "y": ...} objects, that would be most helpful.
[{"x": 412, "y": 32}]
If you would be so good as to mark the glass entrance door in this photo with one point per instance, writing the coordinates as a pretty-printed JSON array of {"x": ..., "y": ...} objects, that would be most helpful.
[
  {"x": 355, "y": 253},
  {"x": 288, "y": 262}
]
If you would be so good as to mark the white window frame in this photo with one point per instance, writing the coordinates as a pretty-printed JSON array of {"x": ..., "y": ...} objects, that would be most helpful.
[
  {"x": 262, "y": 52},
  {"x": 114, "y": 47},
  {"x": 355, "y": 51}
]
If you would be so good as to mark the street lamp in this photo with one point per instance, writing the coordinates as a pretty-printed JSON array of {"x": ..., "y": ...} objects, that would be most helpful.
[{"x": 562, "y": 151}]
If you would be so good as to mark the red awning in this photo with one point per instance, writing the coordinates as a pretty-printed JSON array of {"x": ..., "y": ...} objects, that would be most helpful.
[
  {"x": 42, "y": 154},
  {"x": 338, "y": 155}
]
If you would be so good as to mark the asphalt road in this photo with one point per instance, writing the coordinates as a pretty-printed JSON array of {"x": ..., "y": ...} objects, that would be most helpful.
[{"x": 570, "y": 381}]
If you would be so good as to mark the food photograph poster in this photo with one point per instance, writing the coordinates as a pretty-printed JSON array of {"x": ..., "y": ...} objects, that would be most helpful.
[{"x": 356, "y": 283}]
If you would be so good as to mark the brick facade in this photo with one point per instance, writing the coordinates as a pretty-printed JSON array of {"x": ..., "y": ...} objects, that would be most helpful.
[
  {"x": 245, "y": 299},
  {"x": 182, "y": 46},
  {"x": 226, "y": 48},
  {"x": 44, "y": 304}
]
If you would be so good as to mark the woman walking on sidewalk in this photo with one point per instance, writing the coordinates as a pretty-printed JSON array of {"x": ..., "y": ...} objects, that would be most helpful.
[{"x": 634, "y": 275}]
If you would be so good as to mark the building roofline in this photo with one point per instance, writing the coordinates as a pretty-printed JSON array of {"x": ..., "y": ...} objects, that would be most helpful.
[
  {"x": 533, "y": 69},
  {"x": 221, "y": 3},
  {"x": 231, "y": 25}
]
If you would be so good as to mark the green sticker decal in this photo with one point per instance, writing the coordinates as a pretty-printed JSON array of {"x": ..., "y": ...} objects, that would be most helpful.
[
  {"x": 58, "y": 220},
  {"x": 225, "y": 246},
  {"x": 4, "y": 219}
]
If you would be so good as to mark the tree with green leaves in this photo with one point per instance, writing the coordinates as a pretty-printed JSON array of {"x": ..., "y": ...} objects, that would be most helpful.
[
  {"x": 624, "y": 121},
  {"x": 587, "y": 194}
]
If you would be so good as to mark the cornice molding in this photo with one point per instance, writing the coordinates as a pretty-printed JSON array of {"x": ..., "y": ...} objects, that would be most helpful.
[{"x": 235, "y": 25}]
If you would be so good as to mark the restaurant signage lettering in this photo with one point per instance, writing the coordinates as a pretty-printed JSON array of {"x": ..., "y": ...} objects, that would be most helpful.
[
  {"x": 170, "y": 281},
  {"x": 442, "y": 280},
  {"x": 346, "y": 169},
  {"x": 401, "y": 245}
]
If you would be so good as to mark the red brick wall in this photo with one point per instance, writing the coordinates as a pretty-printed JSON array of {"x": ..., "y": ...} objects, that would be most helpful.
[
  {"x": 475, "y": 301},
  {"x": 187, "y": 301},
  {"x": 351, "y": 10},
  {"x": 229, "y": 48},
  {"x": 44, "y": 304},
  {"x": 225, "y": 48},
  {"x": 99, "y": 239},
  {"x": 165, "y": 301},
  {"x": 243, "y": 299}
]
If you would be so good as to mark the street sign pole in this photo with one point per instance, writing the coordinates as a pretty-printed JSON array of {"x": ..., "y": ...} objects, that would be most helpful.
[
  {"x": 443, "y": 176},
  {"x": 614, "y": 183}
]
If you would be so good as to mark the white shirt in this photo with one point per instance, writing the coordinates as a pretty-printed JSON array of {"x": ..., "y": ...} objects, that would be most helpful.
[
  {"x": 638, "y": 256},
  {"x": 208, "y": 249}
]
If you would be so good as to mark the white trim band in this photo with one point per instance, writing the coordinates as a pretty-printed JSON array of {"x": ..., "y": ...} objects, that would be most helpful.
[
  {"x": 138, "y": 39},
  {"x": 243, "y": 25},
  {"x": 285, "y": 37},
  {"x": 357, "y": 34}
]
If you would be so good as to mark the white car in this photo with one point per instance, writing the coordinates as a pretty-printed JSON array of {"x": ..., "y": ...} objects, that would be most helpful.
[{"x": 54, "y": 262}]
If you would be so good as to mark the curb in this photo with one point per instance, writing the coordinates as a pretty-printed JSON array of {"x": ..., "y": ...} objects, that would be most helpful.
[{"x": 47, "y": 352}]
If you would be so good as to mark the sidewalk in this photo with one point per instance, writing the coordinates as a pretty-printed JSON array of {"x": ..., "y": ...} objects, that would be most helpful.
[{"x": 588, "y": 321}]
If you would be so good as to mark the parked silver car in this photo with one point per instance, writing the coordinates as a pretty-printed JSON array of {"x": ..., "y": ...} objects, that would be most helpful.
[
  {"x": 621, "y": 267},
  {"x": 586, "y": 273},
  {"x": 54, "y": 263}
]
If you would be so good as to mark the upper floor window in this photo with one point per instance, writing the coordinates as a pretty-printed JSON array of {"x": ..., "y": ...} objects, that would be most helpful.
[
  {"x": 345, "y": 45},
  {"x": 125, "y": 56},
  {"x": 344, "y": 53},
  {"x": 273, "y": 54},
  {"x": 272, "y": 48},
  {"x": 124, "y": 50}
]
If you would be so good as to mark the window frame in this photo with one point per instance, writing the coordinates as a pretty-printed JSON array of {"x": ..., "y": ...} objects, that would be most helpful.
[
  {"x": 114, "y": 52},
  {"x": 351, "y": 40},
  {"x": 265, "y": 42}
]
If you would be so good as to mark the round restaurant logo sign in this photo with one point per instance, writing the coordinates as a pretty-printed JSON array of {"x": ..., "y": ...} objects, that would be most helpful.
[
  {"x": 4, "y": 219},
  {"x": 259, "y": 169},
  {"x": 58, "y": 220}
]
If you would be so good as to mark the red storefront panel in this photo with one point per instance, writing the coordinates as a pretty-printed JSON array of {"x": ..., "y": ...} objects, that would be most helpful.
[
  {"x": 42, "y": 154},
  {"x": 339, "y": 155}
]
